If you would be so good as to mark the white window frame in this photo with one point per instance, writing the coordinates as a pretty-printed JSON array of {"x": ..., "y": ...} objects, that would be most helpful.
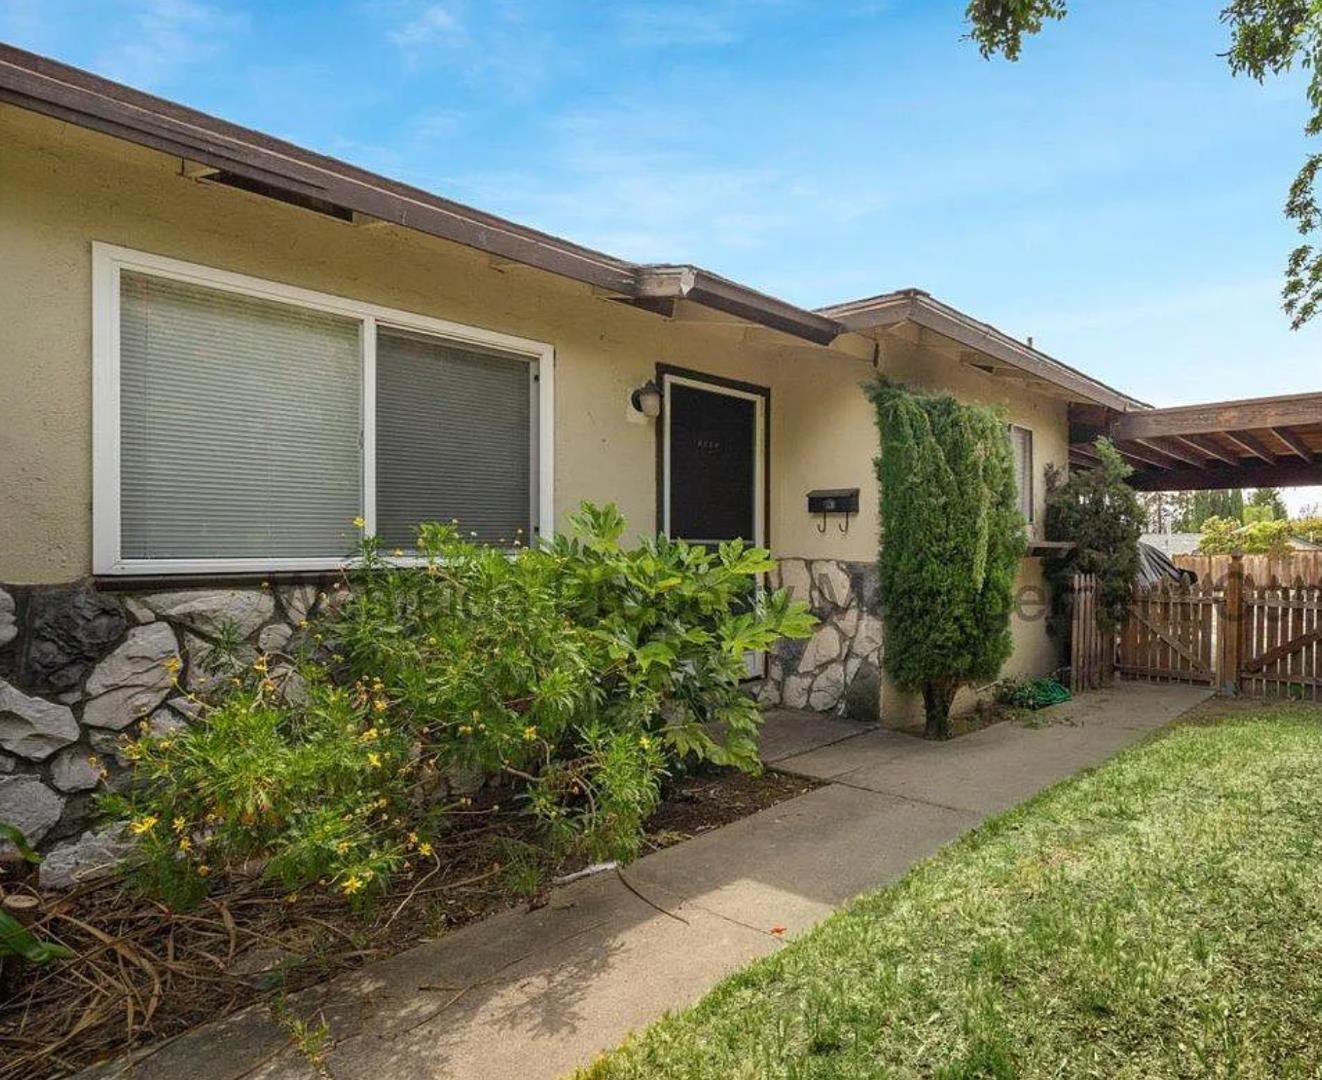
[
  {"x": 108, "y": 263},
  {"x": 1031, "y": 516}
]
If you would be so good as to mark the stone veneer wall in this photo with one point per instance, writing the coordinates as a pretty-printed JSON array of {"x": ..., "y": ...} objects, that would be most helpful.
[
  {"x": 82, "y": 669},
  {"x": 838, "y": 669}
]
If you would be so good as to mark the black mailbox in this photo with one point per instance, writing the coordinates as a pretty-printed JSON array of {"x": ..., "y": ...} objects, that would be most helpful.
[{"x": 833, "y": 501}]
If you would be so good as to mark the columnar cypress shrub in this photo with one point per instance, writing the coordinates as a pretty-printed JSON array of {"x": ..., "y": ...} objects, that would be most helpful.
[{"x": 951, "y": 538}]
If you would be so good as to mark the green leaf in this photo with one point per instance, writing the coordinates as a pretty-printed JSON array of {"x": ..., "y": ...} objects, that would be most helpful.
[
  {"x": 16, "y": 837},
  {"x": 18, "y": 940}
]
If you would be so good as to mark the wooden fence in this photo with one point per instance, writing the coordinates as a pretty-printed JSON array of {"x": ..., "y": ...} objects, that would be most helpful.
[
  {"x": 1092, "y": 652},
  {"x": 1281, "y": 641},
  {"x": 1302, "y": 565},
  {"x": 1170, "y": 634},
  {"x": 1235, "y": 634}
]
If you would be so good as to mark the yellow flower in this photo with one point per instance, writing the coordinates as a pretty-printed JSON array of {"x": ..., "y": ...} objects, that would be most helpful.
[
  {"x": 143, "y": 825},
  {"x": 260, "y": 665},
  {"x": 370, "y": 735},
  {"x": 380, "y": 705},
  {"x": 529, "y": 733},
  {"x": 424, "y": 848},
  {"x": 203, "y": 870},
  {"x": 399, "y": 553},
  {"x": 352, "y": 884},
  {"x": 465, "y": 729},
  {"x": 185, "y": 844},
  {"x": 342, "y": 847},
  {"x": 645, "y": 743},
  {"x": 374, "y": 760},
  {"x": 173, "y": 664},
  {"x": 358, "y": 522},
  {"x": 179, "y": 824}
]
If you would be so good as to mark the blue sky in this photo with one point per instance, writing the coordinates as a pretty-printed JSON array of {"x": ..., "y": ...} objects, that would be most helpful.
[{"x": 1116, "y": 194}]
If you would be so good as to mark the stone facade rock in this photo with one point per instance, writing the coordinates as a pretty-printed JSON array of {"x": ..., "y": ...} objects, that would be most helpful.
[
  {"x": 30, "y": 806},
  {"x": 823, "y": 647},
  {"x": 794, "y": 577},
  {"x": 298, "y": 601},
  {"x": 132, "y": 680},
  {"x": 832, "y": 582},
  {"x": 31, "y": 727},
  {"x": 72, "y": 770},
  {"x": 827, "y": 688},
  {"x": 836, "y": 670},
  {"x": 165, "y": 722},
  {"x": 68, "y": 629},
  {"x": 8, "y": 618},
  {"x": 141, "y": 612},
  {"x": 274, "y": 637},
  {"x": 92, "y": 855},
  {"x": 209, "y": 612}
]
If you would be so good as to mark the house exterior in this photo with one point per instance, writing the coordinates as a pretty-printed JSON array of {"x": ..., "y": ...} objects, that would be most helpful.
[{"x": 219, "y": 349}]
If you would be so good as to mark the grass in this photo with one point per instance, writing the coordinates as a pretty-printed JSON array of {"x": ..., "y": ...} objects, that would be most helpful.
[{"x": 1160, "y": 916}]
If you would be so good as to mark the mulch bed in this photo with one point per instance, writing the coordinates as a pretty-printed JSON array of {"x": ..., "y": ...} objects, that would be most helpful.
[{"x": 143, "y": 972}]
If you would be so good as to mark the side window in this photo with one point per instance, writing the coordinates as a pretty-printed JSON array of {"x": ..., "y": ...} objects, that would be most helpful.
[{"x": 1021, "y": 438}]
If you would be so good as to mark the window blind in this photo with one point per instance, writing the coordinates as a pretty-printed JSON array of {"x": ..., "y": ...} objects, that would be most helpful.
[
  {"x": 454, "y": 439},
  {"x": 240, "y": 423},
  {"x": 1022, "y": 440}
]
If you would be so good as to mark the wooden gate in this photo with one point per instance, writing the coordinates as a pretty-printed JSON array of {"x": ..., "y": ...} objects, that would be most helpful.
[
  {"x": 1170, "y": 634},
  {"x": 1236, "y": 635},
  {"x": 1281, "y": 641}
]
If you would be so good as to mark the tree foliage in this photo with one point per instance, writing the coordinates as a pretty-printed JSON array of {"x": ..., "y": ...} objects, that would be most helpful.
[
  {"x": 1210, "y": 504},
  {"x": 1267, "y": 37},
  {"x": 1100, "y": 514},
  {"x": 1265, "y": 536},
  {"x": 950, "y": 546}
]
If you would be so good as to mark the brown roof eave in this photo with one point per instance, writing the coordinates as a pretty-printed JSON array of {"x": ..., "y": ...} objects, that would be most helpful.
[
  {"x": 916, "y": 306},
  {"x": 66, "y": 93},
  {"x": 721, "y": 294}
]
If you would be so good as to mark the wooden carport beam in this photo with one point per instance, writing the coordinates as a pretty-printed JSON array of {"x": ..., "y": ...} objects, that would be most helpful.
[
  {"x": 1208, "y": 446},
  {"x": 1178, "y": 455},
  {"x": 1294, "y": 443},
  {"x": 1251, "y": 444},
  {"x": 1254, "y": 414}
]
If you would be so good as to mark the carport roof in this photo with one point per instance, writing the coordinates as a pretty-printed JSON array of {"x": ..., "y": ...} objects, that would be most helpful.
[{"x": 1253, "y": 442}]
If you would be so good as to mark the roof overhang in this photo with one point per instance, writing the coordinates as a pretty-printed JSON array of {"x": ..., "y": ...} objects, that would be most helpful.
[
  {"x": 211, "y": 149},
  {"x": 922, "y": 309},
  {"x": 1253, "y": 442}
]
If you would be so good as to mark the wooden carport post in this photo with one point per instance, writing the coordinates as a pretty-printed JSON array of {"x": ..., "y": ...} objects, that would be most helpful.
[{"x": 1231, "y": 630}]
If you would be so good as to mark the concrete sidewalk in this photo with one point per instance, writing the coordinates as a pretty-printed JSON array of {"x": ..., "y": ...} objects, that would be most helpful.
[{"x": 529, "y": 995}]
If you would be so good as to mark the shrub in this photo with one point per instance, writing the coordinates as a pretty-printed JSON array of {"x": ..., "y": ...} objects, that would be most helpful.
[
  {"x": 951, "y": 540},
  {"x": 581, "y": 671},
  {"x": 1100, "y": 513}
]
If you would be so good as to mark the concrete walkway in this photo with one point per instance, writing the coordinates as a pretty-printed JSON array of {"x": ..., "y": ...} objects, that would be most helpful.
[{"x": 530, "y": 995}]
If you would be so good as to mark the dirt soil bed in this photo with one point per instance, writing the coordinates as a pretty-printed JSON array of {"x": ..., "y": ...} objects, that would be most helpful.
[{"x": 143, "y": 972}]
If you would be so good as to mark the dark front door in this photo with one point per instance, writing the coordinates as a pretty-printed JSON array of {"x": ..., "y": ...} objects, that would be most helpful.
[{"x": 713, "y": 457}]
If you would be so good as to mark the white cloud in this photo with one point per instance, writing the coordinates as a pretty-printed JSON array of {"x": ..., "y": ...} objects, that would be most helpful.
[
  {"x": 434, "y": 26},
  {"x": 156, "y": 39}
]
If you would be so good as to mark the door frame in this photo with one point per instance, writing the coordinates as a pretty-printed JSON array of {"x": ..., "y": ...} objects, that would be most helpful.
[{"x": 668, "y": 375}]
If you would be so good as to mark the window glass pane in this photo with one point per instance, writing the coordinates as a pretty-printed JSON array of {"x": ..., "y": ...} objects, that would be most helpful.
[
  {"x": 454, "y": 439},
  {"x": 1022, "y": 441},
  {"x": 240, "y": 425}
]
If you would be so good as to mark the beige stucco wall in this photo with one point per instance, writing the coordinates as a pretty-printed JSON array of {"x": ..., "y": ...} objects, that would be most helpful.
[{"x": 62, "y": 188}]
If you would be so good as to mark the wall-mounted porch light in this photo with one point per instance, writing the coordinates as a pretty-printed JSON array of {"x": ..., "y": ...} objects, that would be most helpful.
[{"x": 647, "y": 399}]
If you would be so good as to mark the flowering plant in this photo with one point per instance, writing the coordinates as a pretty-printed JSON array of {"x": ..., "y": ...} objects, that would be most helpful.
[{"x": 580, "y": 671}]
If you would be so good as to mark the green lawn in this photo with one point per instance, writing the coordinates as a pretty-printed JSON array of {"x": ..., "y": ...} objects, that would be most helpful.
[{"x": 1160, "y": 916}]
